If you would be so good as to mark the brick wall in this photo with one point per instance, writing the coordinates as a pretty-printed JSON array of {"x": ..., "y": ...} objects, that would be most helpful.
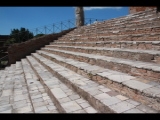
[
  {"x": 138, "y": 9},
  {"x": 21, "y": 50}
]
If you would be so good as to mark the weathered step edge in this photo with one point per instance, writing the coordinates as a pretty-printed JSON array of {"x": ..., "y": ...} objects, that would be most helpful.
[
  {"x": 132, "y": 92},
  {"x": 44, "y": 108},
  {"x": 139, "y": 55},
  {"x": 60, "y": 106},
  {"x": 135, "y": 68},
  {"x": 103, "y": 108}
]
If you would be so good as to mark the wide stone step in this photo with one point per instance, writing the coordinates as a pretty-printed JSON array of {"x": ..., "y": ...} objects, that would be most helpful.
[
  {"x": 126, "y": 28},
  {"x": 124, "y": 19},
  {"x": 139, "y": 55},
  {"x": 130, "y": 18},
  {"x": 65, "y": 99},
  {"x": 126, "y": 37},
  {"x": 132, "y": 25},
  {"x": 124, "y": 83},
  {"x": 22, "y": 99},
  {"x": 141, "y": 45},
  {"x": 15, "y": 97},
  {"x": 122, "y": 31},
  {"x": 41, "y": 102},
  {"x": 6, "y": 89},
  {"x": 128, "y": 23},
  {"x": 100, "y": 96},
  {"x": 149, "y": 21},
  {"x": 137, "y": 68}
]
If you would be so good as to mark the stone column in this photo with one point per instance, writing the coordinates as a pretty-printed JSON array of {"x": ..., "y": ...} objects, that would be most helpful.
[{"x": 79, "y": 16}]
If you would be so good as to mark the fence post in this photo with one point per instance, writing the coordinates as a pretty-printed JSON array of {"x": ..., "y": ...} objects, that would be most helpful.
[
  {"x": 45, "y": 29},
  {"x": 90, "y": 20},
  {"x": 69, "y": 24},
  {"x": 61, "y": 26},
  {"x": 53, "y": 28}
]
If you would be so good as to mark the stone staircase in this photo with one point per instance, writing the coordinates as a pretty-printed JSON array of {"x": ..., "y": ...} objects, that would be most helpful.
[{"x": 101, "y": 68}]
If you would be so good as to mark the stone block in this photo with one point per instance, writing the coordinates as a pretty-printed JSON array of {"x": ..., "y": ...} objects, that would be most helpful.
[
  {"x": 146, "y": 109},
  {"x": 121, "y": 107},
  {"x": 84, "y": 105},
  {"x": 136, "y": 85},
  {"x": 74, "y": 97},
  {"x": 134, "y": 110},
  {"x": 110, "y": 101},
  {"x": 40, "y": 109},
  {"x": 120, "y": 78},
  {"x": 153, "y": 91},
  {"x": 90, "y": 110},
  {"x": 71, "y": 106},
  {"x": 102, "y": 96},
  {"x": 58, "y": 93}
]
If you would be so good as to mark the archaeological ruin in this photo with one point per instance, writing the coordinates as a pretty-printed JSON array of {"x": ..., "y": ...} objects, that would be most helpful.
[{"x": 111, "y": 66}]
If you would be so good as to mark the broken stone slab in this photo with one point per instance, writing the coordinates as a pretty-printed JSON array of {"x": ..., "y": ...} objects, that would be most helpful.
[
  {"x": 146, "y": 109},
  {"x": 153, "y": 91},
  {"x": 120, "y": 78},
  {"x": 136, "y": 85}
]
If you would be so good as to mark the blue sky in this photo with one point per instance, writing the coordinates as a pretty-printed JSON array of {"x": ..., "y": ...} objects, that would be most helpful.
[{"x": 33, "y": 17}]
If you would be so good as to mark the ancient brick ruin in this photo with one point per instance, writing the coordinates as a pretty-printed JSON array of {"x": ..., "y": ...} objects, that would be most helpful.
[
  {"x": 107, "y": 67},
  {"x": 140, "y": 9},
  {"x": 18, "y": 51}
]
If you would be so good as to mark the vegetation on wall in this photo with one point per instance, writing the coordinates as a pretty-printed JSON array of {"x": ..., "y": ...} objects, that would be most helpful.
[{"x": 38, "y": 35}]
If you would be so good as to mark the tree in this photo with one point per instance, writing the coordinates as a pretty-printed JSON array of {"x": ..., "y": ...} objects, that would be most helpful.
[
  {"x": 9, "y": 41},
  {"x": 21, "y": 35}
]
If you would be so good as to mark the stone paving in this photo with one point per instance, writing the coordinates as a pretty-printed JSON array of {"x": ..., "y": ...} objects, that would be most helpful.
[
  {"x": 6, "y": 99},
  {"x": 90, "y": 74},
  {"x": 99, "y": 94},
  {"x": 123, "y": 78},
  {"x": 154, "y": 52},
  {"x": 41, "y": 101},
  {"x": 65, "y": 98},
  {"x": 28, "y": 87},
  {"x": 145, "y": 65},
  {"x": 112, "y": 44}
]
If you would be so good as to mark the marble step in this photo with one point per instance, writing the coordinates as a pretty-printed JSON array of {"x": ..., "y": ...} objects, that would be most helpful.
[
  {"x": 65, "y": 99},
  {"x": 100, "y": 96},
  {"x": 141, "y": 45},
  {"x": 132, "y": 54},
  {"x": 134, "y": 87},
  {"x": 41, "y": 101},
  {"x": 135, "y": 68}
]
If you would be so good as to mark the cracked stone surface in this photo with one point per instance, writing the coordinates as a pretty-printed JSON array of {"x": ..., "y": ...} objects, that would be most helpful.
[{"x": 136, "y": 85}]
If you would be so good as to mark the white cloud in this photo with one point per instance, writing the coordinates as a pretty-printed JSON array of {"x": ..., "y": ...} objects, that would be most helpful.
[{"x": 92, "y": 8}]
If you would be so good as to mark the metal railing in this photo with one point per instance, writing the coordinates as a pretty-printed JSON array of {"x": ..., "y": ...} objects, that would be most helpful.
[
  {"x": 47, "y": 29},
  {"x": 52, "y": 28},
  {"x": 89, "y": 21}
]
